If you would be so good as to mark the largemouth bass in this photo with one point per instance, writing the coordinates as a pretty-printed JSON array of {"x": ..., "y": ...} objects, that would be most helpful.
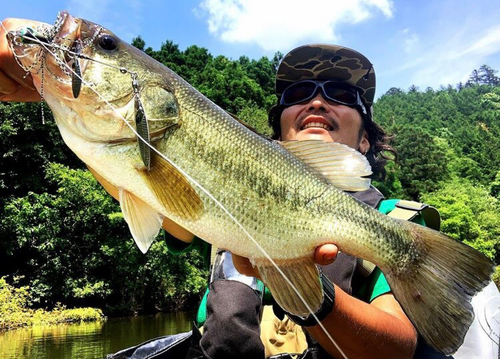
[{"x": 173, "y": 153}]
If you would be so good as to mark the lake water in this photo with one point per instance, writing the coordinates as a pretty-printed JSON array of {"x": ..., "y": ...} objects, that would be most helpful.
[{"x": 89, "y": 340}]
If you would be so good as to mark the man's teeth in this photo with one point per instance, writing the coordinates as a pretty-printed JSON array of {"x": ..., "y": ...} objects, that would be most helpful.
[{"x": 317, "y": 124}]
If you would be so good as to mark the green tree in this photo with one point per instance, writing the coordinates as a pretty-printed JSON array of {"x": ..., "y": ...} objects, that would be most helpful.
[
  {"x": 194, "y": 63},
  {"x": 413, "y": 89},
  {"x": 226, "y": 83},
  {"x": 469, "y": 214},
  {"x": 27, "y": 145},
  {"x": 488, "y": 77},
  {"x": 261, "y": 71},
  {"x": 256, "y": 118},
  {"x": 391, "y": 187},
  {"x": 169, "y": 55},
  {"x": 495, "y": 187},
  {"x": 422, "y": 161},
  {"x": 73, "y": 245},
  {"x": 138, "y": 42},
  {"x": 468, "y": 119}
]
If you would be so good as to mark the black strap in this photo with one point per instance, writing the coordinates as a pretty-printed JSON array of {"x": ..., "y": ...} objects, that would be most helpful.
[{"x": 325, "y": 309}]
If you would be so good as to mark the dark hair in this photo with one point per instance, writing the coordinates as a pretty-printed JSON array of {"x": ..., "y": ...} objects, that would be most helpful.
[{"x": 379, "y": 140}]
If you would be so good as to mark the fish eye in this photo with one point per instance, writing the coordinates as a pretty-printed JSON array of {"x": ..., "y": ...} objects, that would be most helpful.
[{"x": 107, "y": 42}]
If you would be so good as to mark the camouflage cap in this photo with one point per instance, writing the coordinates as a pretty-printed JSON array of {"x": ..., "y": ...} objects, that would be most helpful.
[{"x": 327, "y": 62}]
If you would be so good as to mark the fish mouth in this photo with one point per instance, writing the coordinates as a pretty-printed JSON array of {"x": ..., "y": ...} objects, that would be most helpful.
[
  {"x": 67, "y": 30},
  {"x": 316, "y": 122},
  {"x": 51, "y": 38},
  {"x": 52, "y": 50}
]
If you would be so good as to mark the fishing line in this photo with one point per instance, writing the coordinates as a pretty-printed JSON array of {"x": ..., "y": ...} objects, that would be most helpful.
[
  {"x": 42, "y": 79},
  {"x": 124, "y": 70}
]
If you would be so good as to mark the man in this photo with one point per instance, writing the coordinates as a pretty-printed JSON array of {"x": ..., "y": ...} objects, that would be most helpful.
[{"x": 325, "y": 92}]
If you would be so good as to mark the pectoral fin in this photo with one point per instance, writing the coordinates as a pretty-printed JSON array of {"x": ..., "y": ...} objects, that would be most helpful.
[
  {"x": 144, "y": 222},
  {"x": 304, "y": 276},
  {"x": 341, "y": 165},
  {"x": 172, "y": 189}
]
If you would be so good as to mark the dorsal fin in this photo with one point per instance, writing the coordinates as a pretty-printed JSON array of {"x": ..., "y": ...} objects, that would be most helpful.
[{"x": 341, "y": 165}]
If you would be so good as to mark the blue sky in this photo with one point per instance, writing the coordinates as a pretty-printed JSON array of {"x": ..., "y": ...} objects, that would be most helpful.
[{"x": 425, "y": 42}]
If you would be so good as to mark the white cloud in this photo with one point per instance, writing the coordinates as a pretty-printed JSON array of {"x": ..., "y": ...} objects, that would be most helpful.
[
  {"x": 453, "y": 61},
  {"x": 444, "y": 58},
  {"x": 411, "y": 41},
  {"x": 276, "y": 24},
  {"x": 488, "y": 44},
  {"x": 385, "y": 6}
]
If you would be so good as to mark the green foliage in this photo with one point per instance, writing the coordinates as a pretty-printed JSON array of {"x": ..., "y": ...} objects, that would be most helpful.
[
  {"x": 63, "y": 315},
  {"x": 496, "y": 276},
  {"x": 67, "y": 240},
  {"x": 13, "y": 304},
  {"x": 27, "y": 145},
  {"x": 256, "y": 118},
  {"x": 391, "y": 187},
  {"x": 51, "y": 228},
  {"x": 469, "y": 214},
  {"x": 15, "y": 310},
  {"x": 138, "y": 42},
  {"x": 447, "y": 142},
  {"x": 467, "y": 119},
  {"x": 225, "y": 82},
  {"x": 262, "y": 71},
  {"x": 73, "y": 247},
  {"x": 178, "y": 277},
  {"x": 422, "y": 161},
  {"x": 495, "y": 187},
  {"x": 484, "y": 76}
]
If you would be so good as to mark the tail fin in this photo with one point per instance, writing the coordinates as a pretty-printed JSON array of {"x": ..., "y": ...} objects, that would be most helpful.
[{"x": 436, "y": 295}]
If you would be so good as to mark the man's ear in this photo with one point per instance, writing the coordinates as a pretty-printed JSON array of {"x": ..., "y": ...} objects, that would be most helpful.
[{"x": 364, "y": 143}]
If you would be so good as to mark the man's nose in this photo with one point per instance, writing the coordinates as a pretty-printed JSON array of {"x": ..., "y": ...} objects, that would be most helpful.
[{"x": 318, "y": 103}]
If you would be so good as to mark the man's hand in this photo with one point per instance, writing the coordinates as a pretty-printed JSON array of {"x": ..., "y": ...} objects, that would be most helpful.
[
  {"x": 15, "y": 86},
  {"x": 324, "y": 255}
]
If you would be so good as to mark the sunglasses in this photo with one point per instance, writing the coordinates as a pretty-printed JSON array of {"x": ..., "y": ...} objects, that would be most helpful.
[{"x": 337, "y": 92}]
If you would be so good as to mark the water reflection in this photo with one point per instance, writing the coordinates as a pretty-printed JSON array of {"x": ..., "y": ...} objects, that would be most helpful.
[{"x": 89, "y": 340}]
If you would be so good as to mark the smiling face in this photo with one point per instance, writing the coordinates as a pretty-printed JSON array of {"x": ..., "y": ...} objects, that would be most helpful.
[{"x": 324, "y": 120}]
